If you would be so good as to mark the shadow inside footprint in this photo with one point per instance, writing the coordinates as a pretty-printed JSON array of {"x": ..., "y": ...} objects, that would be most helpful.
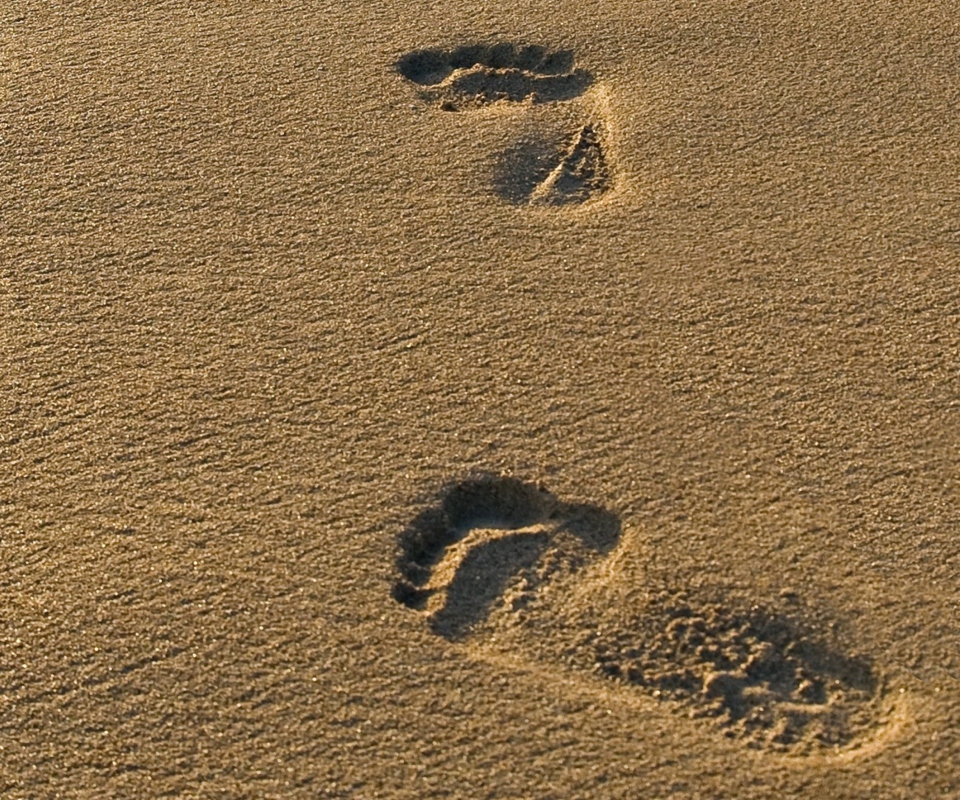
[
  {"x": 481, "y": 578},
  {"x": 500, "y": 505},
  {"x": 432, "y": 66},
  {"x": 497, "y": 501},
  {"x": 525, "y": 166},
  {"x": 476, "y": 75},
  {"x": 597, "y": 529}
]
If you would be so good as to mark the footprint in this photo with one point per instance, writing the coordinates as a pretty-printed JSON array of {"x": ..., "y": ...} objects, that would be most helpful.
[
  {"x": 551, "y": 165},
  {"x": 479, "y": 543},
  {"x": 505, "y": 566},
  {"x": 477, "y": 75}
]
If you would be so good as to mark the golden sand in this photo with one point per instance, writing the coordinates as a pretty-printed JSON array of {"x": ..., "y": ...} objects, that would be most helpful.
[{"x": 463, "y": 399}]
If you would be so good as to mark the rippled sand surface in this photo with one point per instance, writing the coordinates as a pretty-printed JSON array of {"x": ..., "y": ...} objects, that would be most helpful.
[{"x": 501, "y": 400}]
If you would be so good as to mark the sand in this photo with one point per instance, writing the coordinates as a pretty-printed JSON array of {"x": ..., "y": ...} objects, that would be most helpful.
[{"x": 462, "y": 399}]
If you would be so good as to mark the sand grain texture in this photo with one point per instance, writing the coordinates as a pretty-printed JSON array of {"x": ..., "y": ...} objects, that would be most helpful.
[{"x": 680, "y": 281}]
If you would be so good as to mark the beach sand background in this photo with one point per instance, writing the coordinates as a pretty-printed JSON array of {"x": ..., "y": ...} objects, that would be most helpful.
[{"x": 263, "y": 298}]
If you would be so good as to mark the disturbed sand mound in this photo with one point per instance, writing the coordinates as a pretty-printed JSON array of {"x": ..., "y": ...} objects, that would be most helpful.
[{"x": 502, "y": 563}]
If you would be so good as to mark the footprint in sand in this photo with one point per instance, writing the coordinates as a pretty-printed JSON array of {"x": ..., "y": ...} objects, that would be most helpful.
[
  {"x": 506, "y": 567},
  {"x": 547, "y": 166}
]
